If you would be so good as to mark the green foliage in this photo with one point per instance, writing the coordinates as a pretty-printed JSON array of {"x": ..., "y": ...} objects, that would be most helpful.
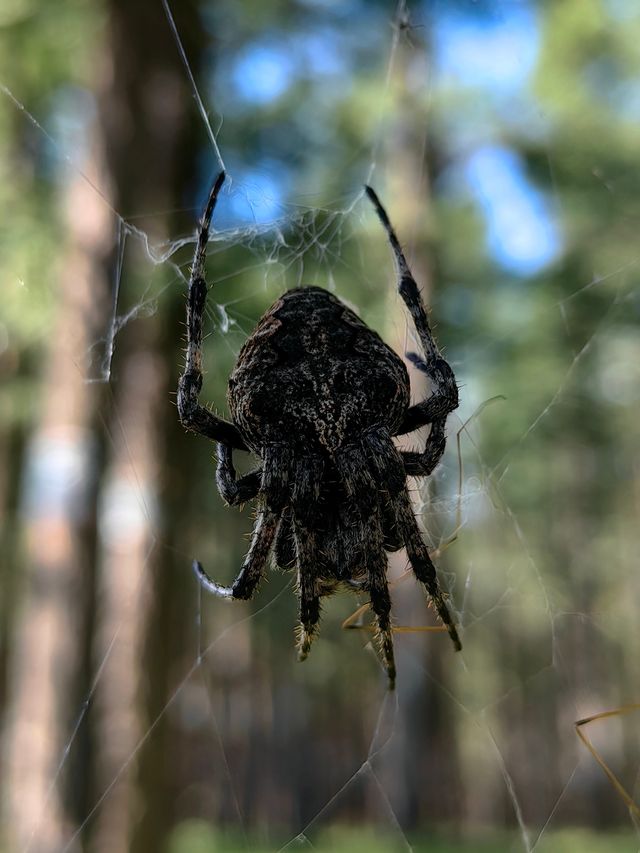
[{"x": 198, "y": 837}]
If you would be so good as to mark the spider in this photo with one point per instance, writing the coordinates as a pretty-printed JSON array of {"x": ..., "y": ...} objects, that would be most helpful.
[{"x": 317, "y": 396}]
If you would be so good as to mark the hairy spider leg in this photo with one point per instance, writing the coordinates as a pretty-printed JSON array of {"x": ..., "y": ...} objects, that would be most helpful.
[
  {"x": 407, "y": 287},
  {"x": 353, "y": 622},
  {"x": 423, "y": 568},
  {"x": 353, "y": 467},
  {"x": 424, "y": 463},
  {"x": 444, "y": 396},
  {"x": 193, "y": 416},
  {"x": 274, "y": 487},
  {"x": 234, "y": 490},
  {"x": 307, "y": 554},
  {"x": 304, "y": 503},
  {"x": 285, "y": 544},
  {"x": 444, "y": 399},
  {"x": 254, "y": 563},
  {"x": 386, "y": 461}
]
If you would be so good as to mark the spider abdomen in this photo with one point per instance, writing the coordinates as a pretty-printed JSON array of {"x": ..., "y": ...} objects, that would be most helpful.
[{"x": 312, "y": 373}]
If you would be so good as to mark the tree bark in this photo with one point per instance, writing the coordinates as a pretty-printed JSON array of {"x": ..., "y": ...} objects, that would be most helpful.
[
  {"x": 142, "y": 105},
  {"x": 58, "y": 520},
  {"x": 422, "y": 770}
]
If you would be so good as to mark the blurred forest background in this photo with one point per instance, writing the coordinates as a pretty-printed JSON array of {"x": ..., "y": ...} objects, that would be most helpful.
[{"x": 504, "y": 138}]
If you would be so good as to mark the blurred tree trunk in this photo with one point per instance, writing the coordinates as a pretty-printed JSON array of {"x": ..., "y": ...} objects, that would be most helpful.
[
  {"x": 142, "y": 105},
  {"x": 127, "y": 516},
  {"x": 12, "y": 453},
  {"x": 59, "y": 518},
  {"x": 426, "y": 791}
]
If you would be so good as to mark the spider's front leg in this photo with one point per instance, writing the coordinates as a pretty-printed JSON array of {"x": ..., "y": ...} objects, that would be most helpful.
[
  {"x": 235, "y": 490},
  {"x": 274, "y": 491},
  {"x": 254, "y": 563},
  {"x": 434, "y": 411},
  {"x": 193, "y": 416},
  {"x": 444, "y": 396},
  {"x": 423, "y": 463}
]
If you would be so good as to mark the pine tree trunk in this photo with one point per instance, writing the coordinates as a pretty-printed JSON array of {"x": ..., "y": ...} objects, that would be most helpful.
[
  {"x": 422, "y": 771},
  {"x": 145, "y": 124},
  {"x": 58, "y": 518}
]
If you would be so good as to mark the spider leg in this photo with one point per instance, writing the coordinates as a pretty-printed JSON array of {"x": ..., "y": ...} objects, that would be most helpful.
[
  {"x": 233, "y": 490},
  {"x": 353, "y": 467},
  {"x": 386, "y": 464},
  {"x": 421, "y": 564},
  {"x": 381, "y": 606},
  {"x": 383, "y": 461},
  {"x": 274, "y": 488},
  {"x": 307, "y": 590},
  {"x": 304, "y": 500},
  {"x": 193, "y": 416},
  {"x": 285, "y": 546},
  {"x": 444, "y": 396},
  {"x": 392, "y": 537},
  {"x": 254, "y": 563},
  {"x": 422, "y": 464}
]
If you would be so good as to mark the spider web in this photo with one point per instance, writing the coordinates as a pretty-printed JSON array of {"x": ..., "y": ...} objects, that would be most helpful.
[{"x": 545, "y": 637}]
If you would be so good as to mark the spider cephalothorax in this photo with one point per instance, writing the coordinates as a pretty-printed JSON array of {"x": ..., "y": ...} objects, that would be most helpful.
[{"x": 317, "y": 396}]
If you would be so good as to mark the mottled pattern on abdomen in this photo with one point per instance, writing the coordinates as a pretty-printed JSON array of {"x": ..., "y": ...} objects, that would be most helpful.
[{"x": 314, "y": 374}]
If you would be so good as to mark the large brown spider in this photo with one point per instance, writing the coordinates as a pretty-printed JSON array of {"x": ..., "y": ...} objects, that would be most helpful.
[{"x": 317, "y": 396}]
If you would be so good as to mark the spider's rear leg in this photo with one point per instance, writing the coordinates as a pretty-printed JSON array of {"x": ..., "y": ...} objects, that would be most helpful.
[
  {"x": 381, "y": 606},
  {"x": 422, "y": 566},
  {"x": 285, "y": 545},
  {"x": 309, "y": 598},
  {"x": 369, "y": 542},
  {"x": 380, "y": 603},
  {"x": 305, "y": 518},
  {"x": 387, "y": 465},
  {"x": 391, "y": 532}
]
